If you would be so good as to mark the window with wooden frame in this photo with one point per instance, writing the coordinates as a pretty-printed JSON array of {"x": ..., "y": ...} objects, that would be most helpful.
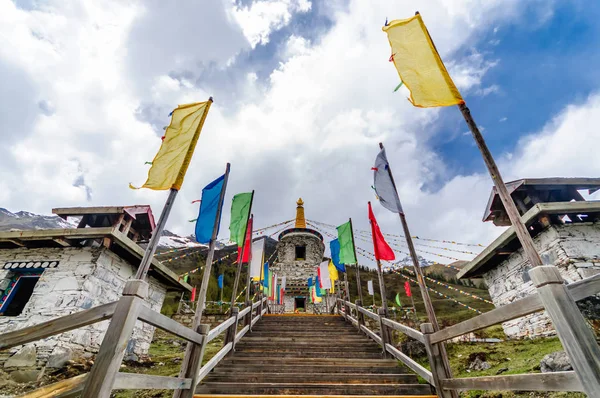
[{"x": 18, "y": 291}]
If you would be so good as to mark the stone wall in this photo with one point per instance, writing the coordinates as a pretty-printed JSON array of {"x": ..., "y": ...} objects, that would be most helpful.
[
  {"x": 212, "y": 320},
  {"x": 84, "y": 278},
  {"x": 573, "y": 248}
]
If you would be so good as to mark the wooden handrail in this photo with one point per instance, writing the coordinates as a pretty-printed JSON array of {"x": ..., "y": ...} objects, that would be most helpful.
[
  {"x": 205, "y": 370},
  {"x": 244, "y": 312},
  {"x": 525, "y": 306},
  {"x": 213, "y": 333},
  {"x": 241, "y": 333},
  {"x": 556, "y": 381},
  {"x": 405, "y": 359},
  {"x": 368, "y": 313},
  {"x": 410, "y": 332},
  {"x": 371, "y": 334},
  {"x": 165, "y": 323},
  {"x": 57, "y": 326}
]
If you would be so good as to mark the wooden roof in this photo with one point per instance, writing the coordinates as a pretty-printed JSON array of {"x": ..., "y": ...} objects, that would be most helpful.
[
  {"x": 528, "y": 192},
  {"x": 110, "y": 237},
  {"x": 536, "y": 219}
]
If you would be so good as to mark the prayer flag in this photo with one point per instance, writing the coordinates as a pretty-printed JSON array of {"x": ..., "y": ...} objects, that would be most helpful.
[
  {"x": 384, "y": 186},
  {"x": 257, "y": 260},
  {"x": 318, "y": 287},
  {"x": 266, "y": 275},
  {"x": 173, "y": 158},
  {"x": 334, "y": 246},
  {"x": 220, "y": 281},
  {"x": 398, "y": 300},
  {"x": 247, "y": 248},
  {"x": 407, "y": 289},
  {"x": 193, "y": 294},
  {"x": 347, "y": 255},
  {"x": 186, "y": 277},
  {"x": 370, "y": 288},
  {"x": 310, "y": 282},
  {"x": 324, "y": 275},
  {"x": 383, "y": 251},
  {"x": 240, "y": 212},
  {"x": 419, "y": 65},
  {"x": 283, "y": 282},
  {"x": 333, "y": 276},
  {"x": 209, "y": 207}
]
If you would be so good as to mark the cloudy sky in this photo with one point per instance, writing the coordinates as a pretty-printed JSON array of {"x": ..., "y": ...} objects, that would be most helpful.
[{"x": 303, "y": 93}]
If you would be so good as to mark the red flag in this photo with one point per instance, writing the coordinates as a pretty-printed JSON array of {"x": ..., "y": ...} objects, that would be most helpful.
[
  {"x": 407, "y": 289},
  {"x": 247, "y": 244},
  {"x": 193, "y": 295},
  {"x": 383, "y": 251}
]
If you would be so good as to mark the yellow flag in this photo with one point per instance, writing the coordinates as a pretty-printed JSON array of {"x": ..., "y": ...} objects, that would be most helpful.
[
  {"x": 333, "y": 275},
  {"x": 419, "y": 65},
  {"x": 173, "y": 158}
]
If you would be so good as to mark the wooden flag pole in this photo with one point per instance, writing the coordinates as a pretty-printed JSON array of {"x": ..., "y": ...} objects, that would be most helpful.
[
  {"x": 262, "y": 270},
  {"x": 509, "y": 205},
  {"x": 358, "y": 285},
  {"x": 185, "y": 369},
  {"x": 142, "y": 270},
  {"x": 382, "y": 288},
  {"x": 241, "y": 254}
]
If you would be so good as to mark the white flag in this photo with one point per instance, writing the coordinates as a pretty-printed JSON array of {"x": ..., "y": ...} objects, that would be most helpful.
[
  {"x": 283, "y": 282},
  {"x": 384, "y": 187},
  {"x": 324, "y": 275},
  {"x": 258, "y": 248},
  {"x": 370, "y": 287}
]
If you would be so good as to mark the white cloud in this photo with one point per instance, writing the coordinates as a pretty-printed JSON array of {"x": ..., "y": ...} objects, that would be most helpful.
[{"x": 108, "y": 73}]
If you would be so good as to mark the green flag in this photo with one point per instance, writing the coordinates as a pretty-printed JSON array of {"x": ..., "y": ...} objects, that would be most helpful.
[
  {"x": 347, "y": 255},
  {"x": 240, "y": 211},
  {"x": 398, "y": 300}
]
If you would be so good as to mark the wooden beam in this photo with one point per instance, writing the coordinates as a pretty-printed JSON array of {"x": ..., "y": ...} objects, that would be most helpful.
[
  {"x": 415, "y": 334},
  {"x": 220, "y": 328},
  {"x": 57, "y": 326},
  {"x": 78, "y": 211},
  {"x": 556, "y": 381},
  {"x": 165, "y": 323},
  {"x": 63, "y": 242},
  {"x": 416, "y": 367},
  {"x": 205, "y": 370},
  {"x": 70, "y": 233},
  {"x": 136, "y": 381}
]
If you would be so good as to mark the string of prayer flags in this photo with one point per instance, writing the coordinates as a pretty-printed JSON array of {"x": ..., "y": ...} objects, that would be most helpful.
[
  {"x": 173, "y": 158},
  {"x": 407, "y": 289},
  {"x": 258, "y": 258},
  {"x": 345, "y": 239},
  {"x": 334, "y": 247},
  {"x": 209, "y": 208},
  {"x": 384, "y": 186},
  {"x": 382, "y": 250},
  {"x": 247, "y": 249},
  {"x": 419, "y": 65},
  {"x": 398, "y": 300},
  {"x": 370, "y": 288},
  {"x": 240, "y": 212}
]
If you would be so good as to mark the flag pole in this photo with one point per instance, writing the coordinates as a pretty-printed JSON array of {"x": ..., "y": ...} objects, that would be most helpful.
[
  {"x": 262, "y": 271},
  {"x": 241, "y": 254},
  {"x": 248, "y": 278},
  {"x": 142, "y": 270},
  {"x": 418, "y": 272},
  {"x": 360, "y": 295},
  {"x": 382, "y": 288},
  {"x": 205, "y": 279},
  {"x": 509, "y": 205}
]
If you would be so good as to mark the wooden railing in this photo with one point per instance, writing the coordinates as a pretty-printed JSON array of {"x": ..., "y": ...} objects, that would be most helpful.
[
  {"x": 559, "y": 301},
  {"x": 104, "y": 375}
]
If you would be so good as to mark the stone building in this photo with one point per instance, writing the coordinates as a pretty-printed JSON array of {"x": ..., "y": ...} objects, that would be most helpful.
[
  {"x": 45, "y": 274},
  {"x": 299, "y": 252},
  {"x": 566, "y": 232}
]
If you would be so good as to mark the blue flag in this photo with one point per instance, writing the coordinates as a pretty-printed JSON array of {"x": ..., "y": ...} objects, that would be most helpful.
[
  {"x": 208, "y": 210},
  {"x": 310, "y": 282},
  {"x": 220, "y": 281},
  {"x": 266, "y": 276},
  {"x": 334, "y": 246},
  {"x": 317, "y": 286}
]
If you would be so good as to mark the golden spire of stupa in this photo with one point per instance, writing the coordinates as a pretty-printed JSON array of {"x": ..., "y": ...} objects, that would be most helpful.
[{"x": 300, "y": 221}]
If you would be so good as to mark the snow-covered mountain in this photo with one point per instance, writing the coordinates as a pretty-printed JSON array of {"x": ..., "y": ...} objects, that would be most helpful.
[
  {"x": 407, "y": 262},
  {"x": 24, "y": 220}
]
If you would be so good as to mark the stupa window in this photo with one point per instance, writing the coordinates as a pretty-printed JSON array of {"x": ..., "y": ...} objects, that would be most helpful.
[{"x": 300, "y": 253}]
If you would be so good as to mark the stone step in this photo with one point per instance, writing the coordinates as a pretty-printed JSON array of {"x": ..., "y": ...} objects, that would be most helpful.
[
  {"x": 310, "y": 378},
  {"x": 249, "y": 367},
  {"x": 230, "y": 387}
]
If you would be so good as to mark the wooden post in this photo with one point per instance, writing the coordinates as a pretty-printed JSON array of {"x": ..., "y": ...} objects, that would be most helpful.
[
  {"x": 248, "y": 278},
  {"x": 193, "y": 366},
  {"x": 241, "y": 254},
  {"x": 439, "y": 369},
  {"x": 360, "y": 317},
  {"x": 108, "y": 361},
  {"x": 358, "y": 284},
  {"x": 232, "y": 330},
  {"x": 574, "y": 334},
  {"x": 384, "y": 331},
  {"x": 509, "y": 205},
  {"x": 142, "y": 270},
  {"x": 382, "y": 288},
  {"x": 346, "y": 286},
  {"x": 205, "y": 277}
]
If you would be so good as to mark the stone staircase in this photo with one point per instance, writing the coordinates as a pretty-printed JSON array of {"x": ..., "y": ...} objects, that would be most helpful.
[{"x": 309, "y": 355}]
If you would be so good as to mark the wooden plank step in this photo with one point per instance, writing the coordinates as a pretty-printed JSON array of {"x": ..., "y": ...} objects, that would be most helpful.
[
  {"x": 301, "y": 344},
  {"x": 282, "y": 368},
  {"x": 312, "y": 361},
  {"x": 315, "y": 388},
  {"x": 302, "y": 378},
  {"x": 308, "y": 354},
  {"x": 286, "y": 339},
  {"x": 317, "y": 350},
  {"x": 308, "y": 396}
]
